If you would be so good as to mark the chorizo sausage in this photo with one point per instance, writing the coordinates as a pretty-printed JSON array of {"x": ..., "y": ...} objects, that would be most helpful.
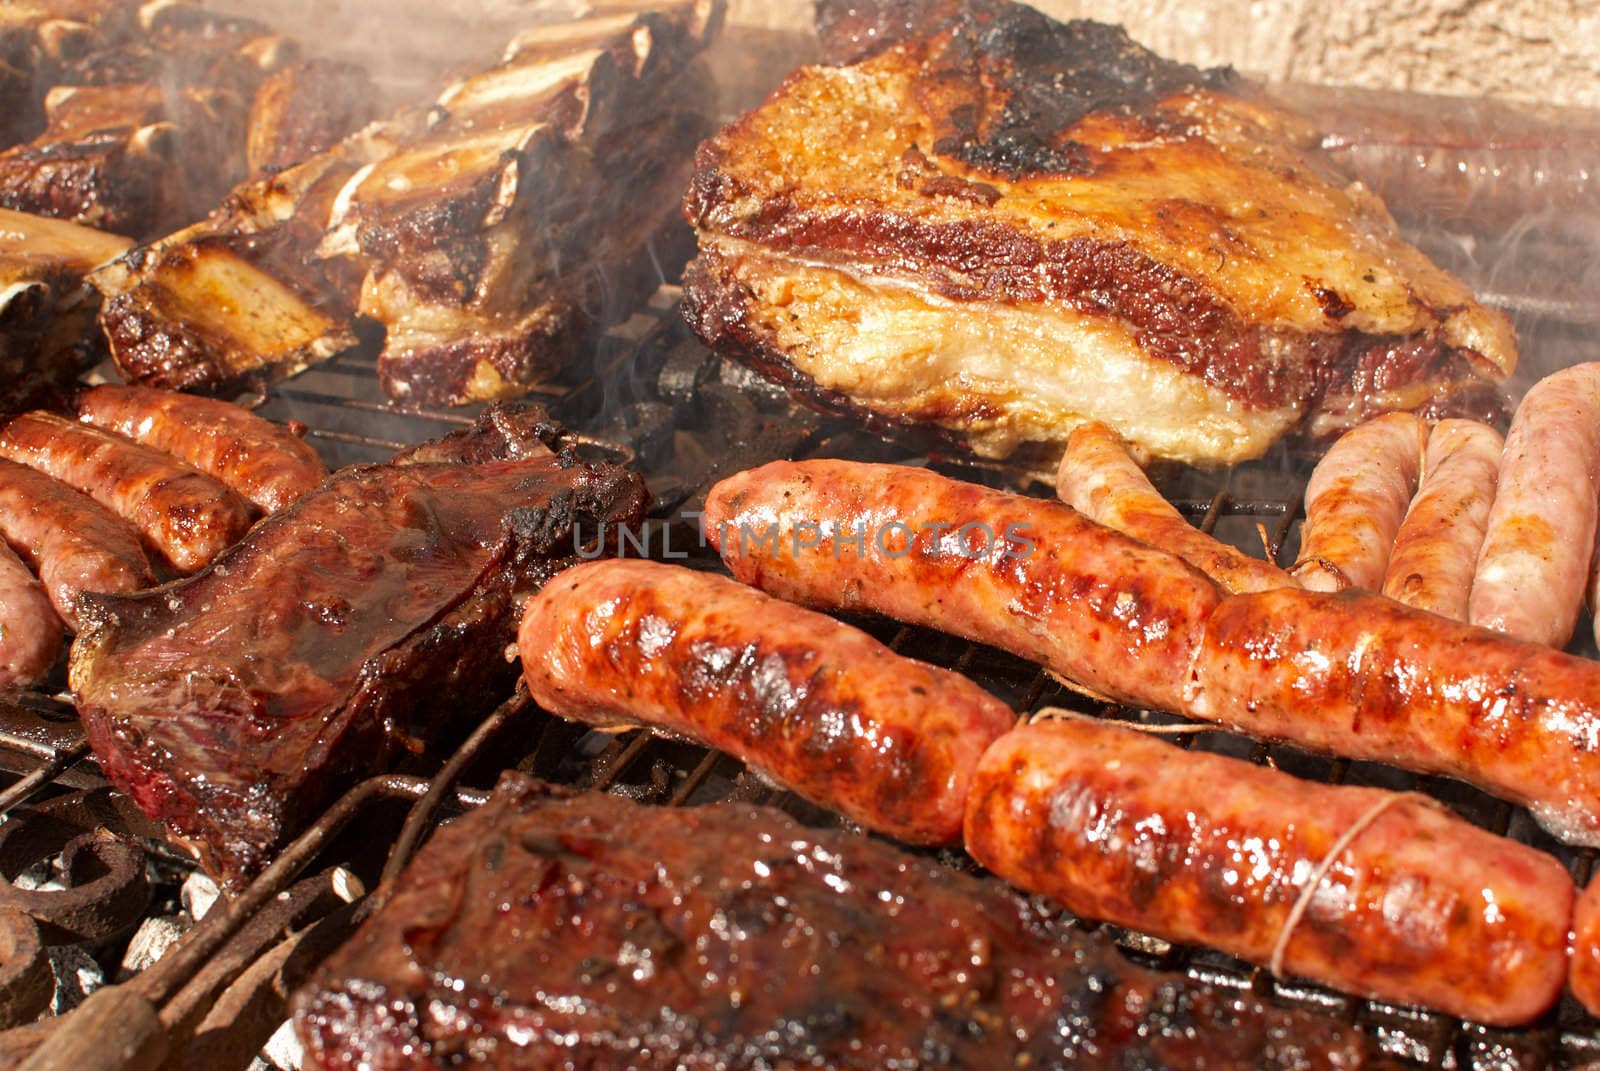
[
  {"x": 814, "y": 704},
  {"x": 1117, "y": 617},
  {"x": 1384, "y": 895},
  {"x": 30, "y": 631},
  {"x": 72, "y": 542},
  {"x": 265, "y": 463},
  {"x": 188, "y": 517},
  {"x": 1360, "y": 675}
]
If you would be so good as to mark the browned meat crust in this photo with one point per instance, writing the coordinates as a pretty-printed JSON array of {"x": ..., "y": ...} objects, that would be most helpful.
[
  {"x": 304, "y": 109},
  {"x": 544, "y": 932},
  {"x": 1168, "y": 233},
  {"x": 235, "y": 704}
]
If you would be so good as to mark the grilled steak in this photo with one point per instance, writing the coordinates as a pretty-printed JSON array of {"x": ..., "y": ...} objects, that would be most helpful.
[
  {"x": 995, "y": 225},
  {"x": 591, "y": 932},
  {"x": 320, "y": 649}
]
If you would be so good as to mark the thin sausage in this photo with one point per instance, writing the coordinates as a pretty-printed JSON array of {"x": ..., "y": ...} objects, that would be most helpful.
[
  {"x": 1355, "y": 502},
  {"x": 30, "y": 631},
  {"x": 185, "y": 515},
  {"x": 1534, "y": 565},
  {"x": 1100, "y": 480},
  {"x": 1416, "y": 905},
  {"x": 72, "y": 542},
  {"x": 1436, "y": 551},
  {"x": 263, "y": 462},
  {"x": 814, "y": 704},
  {"x": 1362, "y": 676},
  {"x": 1118, "y": 618}
]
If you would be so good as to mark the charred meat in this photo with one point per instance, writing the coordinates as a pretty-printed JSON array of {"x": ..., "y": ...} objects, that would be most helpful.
[
  {"x": 468, "y": 229},
  {"x": 591, "y": 932},
  {"x": 45, "y": 306},
  {"x": 998, "y": 226},
  {"x": 234, "y": 704}
]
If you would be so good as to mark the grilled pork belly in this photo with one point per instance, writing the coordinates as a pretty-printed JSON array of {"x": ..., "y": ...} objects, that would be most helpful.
[
  {"x": 999, "y": 226},
  {"x": 471, "y": 230},
  {"x": 45, "y": 307},
  {"x": 341, "y": 637}
]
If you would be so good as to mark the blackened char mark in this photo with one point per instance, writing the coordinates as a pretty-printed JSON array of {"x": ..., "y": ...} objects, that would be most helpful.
[{"x": 1003, "y": 82}]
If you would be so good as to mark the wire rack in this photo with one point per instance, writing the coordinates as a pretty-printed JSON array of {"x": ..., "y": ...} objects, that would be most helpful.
[{"x": 686, "y": 419}]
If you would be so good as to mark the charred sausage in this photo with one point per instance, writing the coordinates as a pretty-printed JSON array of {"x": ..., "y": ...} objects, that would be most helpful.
[
  {"x": 263, "y": 462},
  {"x": 1436, "y": 551},
  {"x": 1534, "y": 565},
  {"x": 1118, "y": 618},
  {"x": 188, "y": 517},
  {"x": 1205, "y": 849},
  {"x": 30, "y": 631},
  {"x": 812, "y": 703},
  {"x": 72, "y": 542},
  {"x": 1362, "y": 676},
  {"x": 1100, "y": 480},
  {"x": 1355, "y": 502}
]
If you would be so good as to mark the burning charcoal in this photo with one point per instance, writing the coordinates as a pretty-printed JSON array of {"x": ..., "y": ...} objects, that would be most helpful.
[
  {"x": 646, "y": 428},
  {"x": 687, "y": 366}
]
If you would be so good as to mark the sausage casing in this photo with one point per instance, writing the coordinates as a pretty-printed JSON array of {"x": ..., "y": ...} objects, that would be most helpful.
[
  {"x": 1356, "y": 499},
  {"x": 1362, "y": 676},
  {"x": 1037, "y": 578},
  {"x": 1436, "y": 550},
  {"x": 185, "y": 515},
  {"x": 1418, "y": 907},
  {"x": 1100, "y": 480},
  {"x": 30, "y": 631},
  {"x": 72, "y": 542},
  {"x": 1584, "y": 975},
  {"x": 1534, "y": 565},
  {"x": 814, "y": 704},
  {"x": 263, "y": 462}
]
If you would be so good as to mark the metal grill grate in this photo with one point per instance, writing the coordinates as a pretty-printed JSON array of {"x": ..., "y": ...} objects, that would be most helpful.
[{"x": 688, "y": 419}]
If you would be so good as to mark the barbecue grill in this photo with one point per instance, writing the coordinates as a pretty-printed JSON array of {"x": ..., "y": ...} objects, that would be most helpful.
[{"x": 655, "y": 397}]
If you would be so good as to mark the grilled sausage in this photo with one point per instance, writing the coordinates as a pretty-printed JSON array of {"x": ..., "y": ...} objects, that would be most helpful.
[
  {"x": 1355, "y": 502},
  {"x": 1362, "y": 676},
  {"x": 263, "y": 462},
  {"x": 1119, "y": 618},
  {"x": 185, "y": 515},
  {"x": 1205, "y": 849},
  {"x": 1534, "y": 565},
  {"x": 1584, "y": 977},
  {"x": 72, "y": 542},
  {"x": 814, "y": 704},
  {"x": 1436, "y": 551},
  {"x": 1100, "y": 480},
  {"x": 30, "y": 631}
]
